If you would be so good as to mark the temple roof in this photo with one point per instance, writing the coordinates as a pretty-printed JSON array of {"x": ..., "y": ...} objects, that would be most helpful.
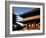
[{"x": 31, "y": 13}]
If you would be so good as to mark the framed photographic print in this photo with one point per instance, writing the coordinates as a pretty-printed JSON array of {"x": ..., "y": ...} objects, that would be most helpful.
[{"x": 24, "y": 18}]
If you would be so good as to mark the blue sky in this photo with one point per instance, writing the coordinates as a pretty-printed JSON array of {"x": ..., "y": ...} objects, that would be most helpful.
[{"x": 21, "y": 10}]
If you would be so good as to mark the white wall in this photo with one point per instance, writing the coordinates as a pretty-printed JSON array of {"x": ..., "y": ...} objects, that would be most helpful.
[{"x": 2, "y": 19}]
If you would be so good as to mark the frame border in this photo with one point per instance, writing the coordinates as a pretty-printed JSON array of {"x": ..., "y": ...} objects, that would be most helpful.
[{"x": 7, "y": 18}]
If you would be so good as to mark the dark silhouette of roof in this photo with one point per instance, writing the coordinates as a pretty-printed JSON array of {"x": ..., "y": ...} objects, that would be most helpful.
[{"x": 31, "y": 13}]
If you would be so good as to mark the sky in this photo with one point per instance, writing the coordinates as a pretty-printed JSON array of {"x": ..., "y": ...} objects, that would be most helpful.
[{"x": 20, "y": 10}]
